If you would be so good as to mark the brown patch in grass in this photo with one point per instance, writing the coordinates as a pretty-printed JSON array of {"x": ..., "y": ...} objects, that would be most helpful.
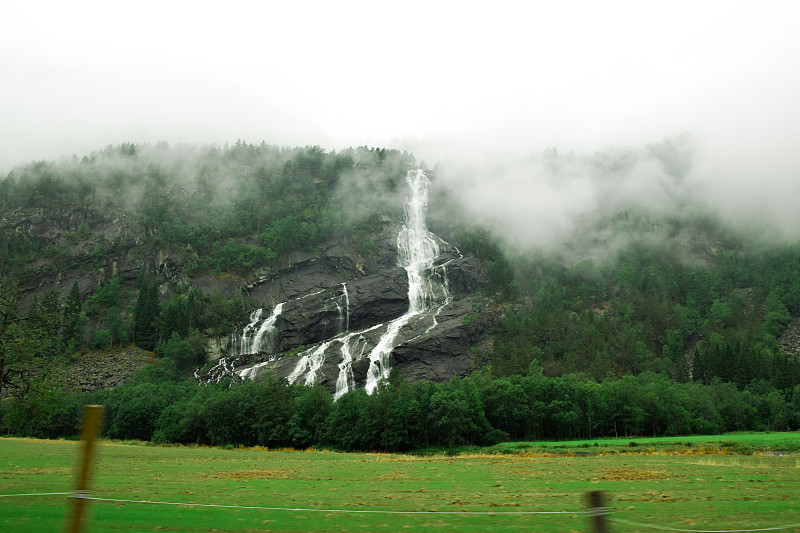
[
  {"x": 391, "y": 476},
  {"x": 18, "y": 471},
  {"x": 651, "y": 496},
  {"x": 280, "y": 473},
  {"x": 631, "y": 474}
]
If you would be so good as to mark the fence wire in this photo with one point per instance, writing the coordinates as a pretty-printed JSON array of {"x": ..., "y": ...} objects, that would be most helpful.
[
  {"x": 594, "y": 511},
  {"x": 312, "y": 510}
]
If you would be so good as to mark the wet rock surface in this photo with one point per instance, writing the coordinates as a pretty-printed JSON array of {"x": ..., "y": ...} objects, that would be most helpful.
[
  {"x": 99, "y": 246},
  {"x": 433, "y": 346}
]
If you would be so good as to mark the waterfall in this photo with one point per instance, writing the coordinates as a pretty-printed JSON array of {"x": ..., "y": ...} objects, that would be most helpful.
[
  {"x": 447, "y": 297},
  {"x": 311, "y": 361},
  {"x": 244, "y": 340},
  {"x": 263, "y": 340},
  {"x": 342, "y": 304},
  {"x": 428, "y": 294},
  {"x": 252, "y": 371},
  {"x": 339, "y": 318},
  {"x": 266, "y": 333},
  {"x": 346, "y": 381},
  {"x": 346, "y": 297},
  {"x": 345, "y": 372},
  {"x": 417, "y": 249}
]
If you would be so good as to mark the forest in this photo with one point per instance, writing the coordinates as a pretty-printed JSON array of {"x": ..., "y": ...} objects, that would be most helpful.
[{"x": 687, "y": 327}]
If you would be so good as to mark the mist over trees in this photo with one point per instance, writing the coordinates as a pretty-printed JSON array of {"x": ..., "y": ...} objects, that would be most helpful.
[
  {"x": 211, "y": 199},
  {"x": 642, "y": 321}
]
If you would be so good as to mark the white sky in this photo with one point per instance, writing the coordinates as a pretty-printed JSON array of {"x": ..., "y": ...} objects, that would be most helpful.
[{"x": 78, "y": 75}]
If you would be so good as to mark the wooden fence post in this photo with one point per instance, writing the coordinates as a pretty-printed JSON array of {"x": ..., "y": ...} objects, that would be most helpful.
[
  {"x": 597, "y": 511},
  {"x": 92, "y": 416}
]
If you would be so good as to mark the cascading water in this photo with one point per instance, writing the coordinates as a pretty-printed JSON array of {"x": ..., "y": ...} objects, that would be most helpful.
[
  {"x": 343, "y": 308},
  {"x": 247, "y": 332},
  {"x": 428, "y": 294},
  {"x": 417, "y": 249},
  {"x": 441, "y": 270},
  {"x": 310, "y": 361},
  {"x": 264, "y": 337},
  {"x": 346, "y": 381},
  {"x": 346, "y": 297}
]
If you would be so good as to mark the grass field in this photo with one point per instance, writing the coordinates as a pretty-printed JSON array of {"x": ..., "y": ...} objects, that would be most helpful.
[
  {"x": 733, "y": 443},
  {"x": 660, "y": 482}
]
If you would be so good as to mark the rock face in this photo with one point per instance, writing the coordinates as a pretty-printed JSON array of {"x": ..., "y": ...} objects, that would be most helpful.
[
  {"x": 345, "y": 325},
  {"x": 95, "y": 246},
  {"x": 355, "y": 313},
  {"x": 367, "y": 301},
  {"x": 445, "y": 351},
  {"x": 337, "y": 307}
]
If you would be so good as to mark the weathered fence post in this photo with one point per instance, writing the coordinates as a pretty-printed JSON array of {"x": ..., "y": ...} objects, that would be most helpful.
[
  {"x": 92, "y": 415},
  {"x": 597, "y": 511}
]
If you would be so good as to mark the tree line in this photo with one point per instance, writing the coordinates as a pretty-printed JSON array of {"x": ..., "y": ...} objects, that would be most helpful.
[{"x": 401, "y": 416}]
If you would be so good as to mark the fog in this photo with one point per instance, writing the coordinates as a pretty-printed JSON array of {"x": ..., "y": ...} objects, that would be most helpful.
[{"x": 483, "y": 93}]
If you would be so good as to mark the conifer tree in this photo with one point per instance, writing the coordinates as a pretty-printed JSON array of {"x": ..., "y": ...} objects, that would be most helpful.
[
  {"x": 50, "y": 323},
  {"x": 70, "y": 320},
  {"x": 17, "y": 347},
  {"x": 145, "y": 313}
]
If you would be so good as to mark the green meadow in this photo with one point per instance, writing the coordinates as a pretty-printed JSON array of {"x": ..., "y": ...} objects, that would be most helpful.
[
  {"x": 729, "y": 482},
  {"x": 731, "y": 443}
]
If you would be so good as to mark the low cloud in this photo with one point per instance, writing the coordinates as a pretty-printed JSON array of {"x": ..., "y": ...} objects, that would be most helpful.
[{"x": 542, "y": 200}]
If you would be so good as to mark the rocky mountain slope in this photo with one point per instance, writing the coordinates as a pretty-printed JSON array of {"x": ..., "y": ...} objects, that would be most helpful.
[
  {"x": 91, "y": 247},
  {"x": 313, "y": 310},
  {"x": 346, "y": 325}
]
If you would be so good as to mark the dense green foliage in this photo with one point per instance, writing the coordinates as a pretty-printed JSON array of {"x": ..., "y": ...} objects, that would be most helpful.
[
  {"x": 398, "y": 416},
  {"x": 691, "y": 312}
]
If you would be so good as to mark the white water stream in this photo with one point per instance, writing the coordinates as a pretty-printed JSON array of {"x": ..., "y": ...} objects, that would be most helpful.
[
  {"x": 259, "y": 334},
  {"x": 417, "y": 249}
]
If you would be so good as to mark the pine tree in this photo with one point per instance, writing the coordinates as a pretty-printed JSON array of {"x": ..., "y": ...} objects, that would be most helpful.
[
  {"x": 50, "y": 323},
  {"x": 71, "y": 331},
  {"x": 145, "y": 313},
  {"x": 17, "y": 346}
]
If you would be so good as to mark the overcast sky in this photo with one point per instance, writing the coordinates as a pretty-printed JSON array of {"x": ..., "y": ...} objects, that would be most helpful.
[
  {"x": 439, "y": 78},
  {"x": 78, "y": 75}
]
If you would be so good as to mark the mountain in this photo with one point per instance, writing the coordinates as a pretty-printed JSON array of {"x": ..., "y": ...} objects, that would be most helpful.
[
  {"x": 344, "y": 326},
  {"x": 233, "y": 233},
  {"x": 338, "y": 268},
  {"x": 360, "y": 304}
]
